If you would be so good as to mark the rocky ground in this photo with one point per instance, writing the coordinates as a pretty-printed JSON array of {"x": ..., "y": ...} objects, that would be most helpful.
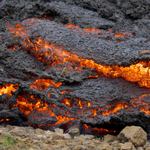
[
  {"x": 27, "y": 138},
  {"x": 21, "y": 66}
]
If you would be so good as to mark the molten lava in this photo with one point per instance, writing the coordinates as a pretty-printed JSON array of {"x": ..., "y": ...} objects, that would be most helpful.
[
  {"x": 28, "y": 103},
  {"x": 52, "y": 55},
  {"x": 3, "y": 120},
  {"x": 138, "y": 72},
  {"x": 96, "y": 130},
  {"x": 7, "y": 88},
  {"x": 43, "y": 84}
]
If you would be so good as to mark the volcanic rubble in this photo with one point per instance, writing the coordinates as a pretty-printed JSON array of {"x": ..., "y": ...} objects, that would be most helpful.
[{"x": 71, "y": 63}]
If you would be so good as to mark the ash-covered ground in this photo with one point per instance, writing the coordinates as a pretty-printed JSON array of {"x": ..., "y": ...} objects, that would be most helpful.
[{"x": 87, "y": 93}]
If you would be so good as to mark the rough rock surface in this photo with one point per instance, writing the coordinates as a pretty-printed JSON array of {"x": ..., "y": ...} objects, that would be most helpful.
[
  {"x": 28, "y": 138},
  {"x": 134, "y": 134},
  {"x": 100, "y": 101}
]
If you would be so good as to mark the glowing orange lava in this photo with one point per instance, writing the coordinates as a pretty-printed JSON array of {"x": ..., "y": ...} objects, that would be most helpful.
[
  {"x": 96, "y": 130},
  {"x": 28, "y": 103},
  {"x": 138, "y": 72},
  {"x": 62, "y": 92},
  {"x": 43, "y": 84},
  {"x": 2, "y": 120},
  {"x": 52, "y": 55},
  {"x": 7, "y": 88},
  {"x": 90, "y": 76},
  {"x": 126, "y": 33}
]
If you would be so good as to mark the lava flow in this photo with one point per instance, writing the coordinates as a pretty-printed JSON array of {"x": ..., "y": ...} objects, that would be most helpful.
[
  {"x": 96, "y": 130},
  {"x": 138, "y": 72},
  {"x": 43, "y": 84},
  {"x": 74, "y": 109},
  {"x": 7, "y": 88}
]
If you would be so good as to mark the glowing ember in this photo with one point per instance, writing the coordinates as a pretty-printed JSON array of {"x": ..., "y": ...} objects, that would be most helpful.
[
  {"x": 12, "y": 48},
  {"x": 62, "y": 92},
  {"x": 96, "y": 130},
  {"x": 28, "y": 103},
  {"x": 43, "y": 84},
  {"x": 3, "y": 120},
  {"x": 126, "y": 33},
  {"x": 7, "y": 88},
  {"x": 103, "y": 131},
  {"x": 90, "y": 76}
]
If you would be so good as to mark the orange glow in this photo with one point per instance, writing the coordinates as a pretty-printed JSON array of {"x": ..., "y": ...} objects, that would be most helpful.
[
  {"x": 117, "y": 107},
  {"x": 118, "y": 35},
  {"x": 2, "y": 120},
  {"x": 12, "y": 47},
  {"x": 92, "y": 76},
  {"x": 103, "y": 131},
  {"x": 96, "y": 130},
  {"x": 43, "y": 84},
  {"x": 126, "y": 33},
  {"x": 67, "y": 102},
  {"x": 62, "y": 92},
  {"x": 72, "y": 26},
  {"x": 86, "y": 127},
  {"x": 27, "y": 103},
  {"x": 7, "y": 13},
  {"x": 7, "y": 88}
]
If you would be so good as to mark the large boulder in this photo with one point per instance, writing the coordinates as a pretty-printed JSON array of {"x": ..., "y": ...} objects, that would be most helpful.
[{"x": 134, "y": 134}]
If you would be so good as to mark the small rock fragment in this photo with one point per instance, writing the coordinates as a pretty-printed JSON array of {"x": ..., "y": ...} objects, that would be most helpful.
[
  {"x": 66, "y": 148},
  {"x": 64, "y": 72},
  {"x": 144, "y": 52},
  {"x": 57, "y": 137},
  {"x": 78, "y": 140},
  {"x": 109, "y": 138},
  {"x": 114, "y": 144},
  {"x": 66, "y": 136},
  {"x": 87, "y": 137},
  {"x": 49, "y": 134},
  {"x": 80, "y": 147},
  {"x": 105, "y": 146},
  {"x": 140, "y": 148},
  {"x": 39, "y": 131},
  {"x": 15, "y": 38},
  {"x": 74, "y": 132},
  {"x": 126, "y": 146},
  {"x": 147, "y": 145},
  {"x": 59, "y": 131}
]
